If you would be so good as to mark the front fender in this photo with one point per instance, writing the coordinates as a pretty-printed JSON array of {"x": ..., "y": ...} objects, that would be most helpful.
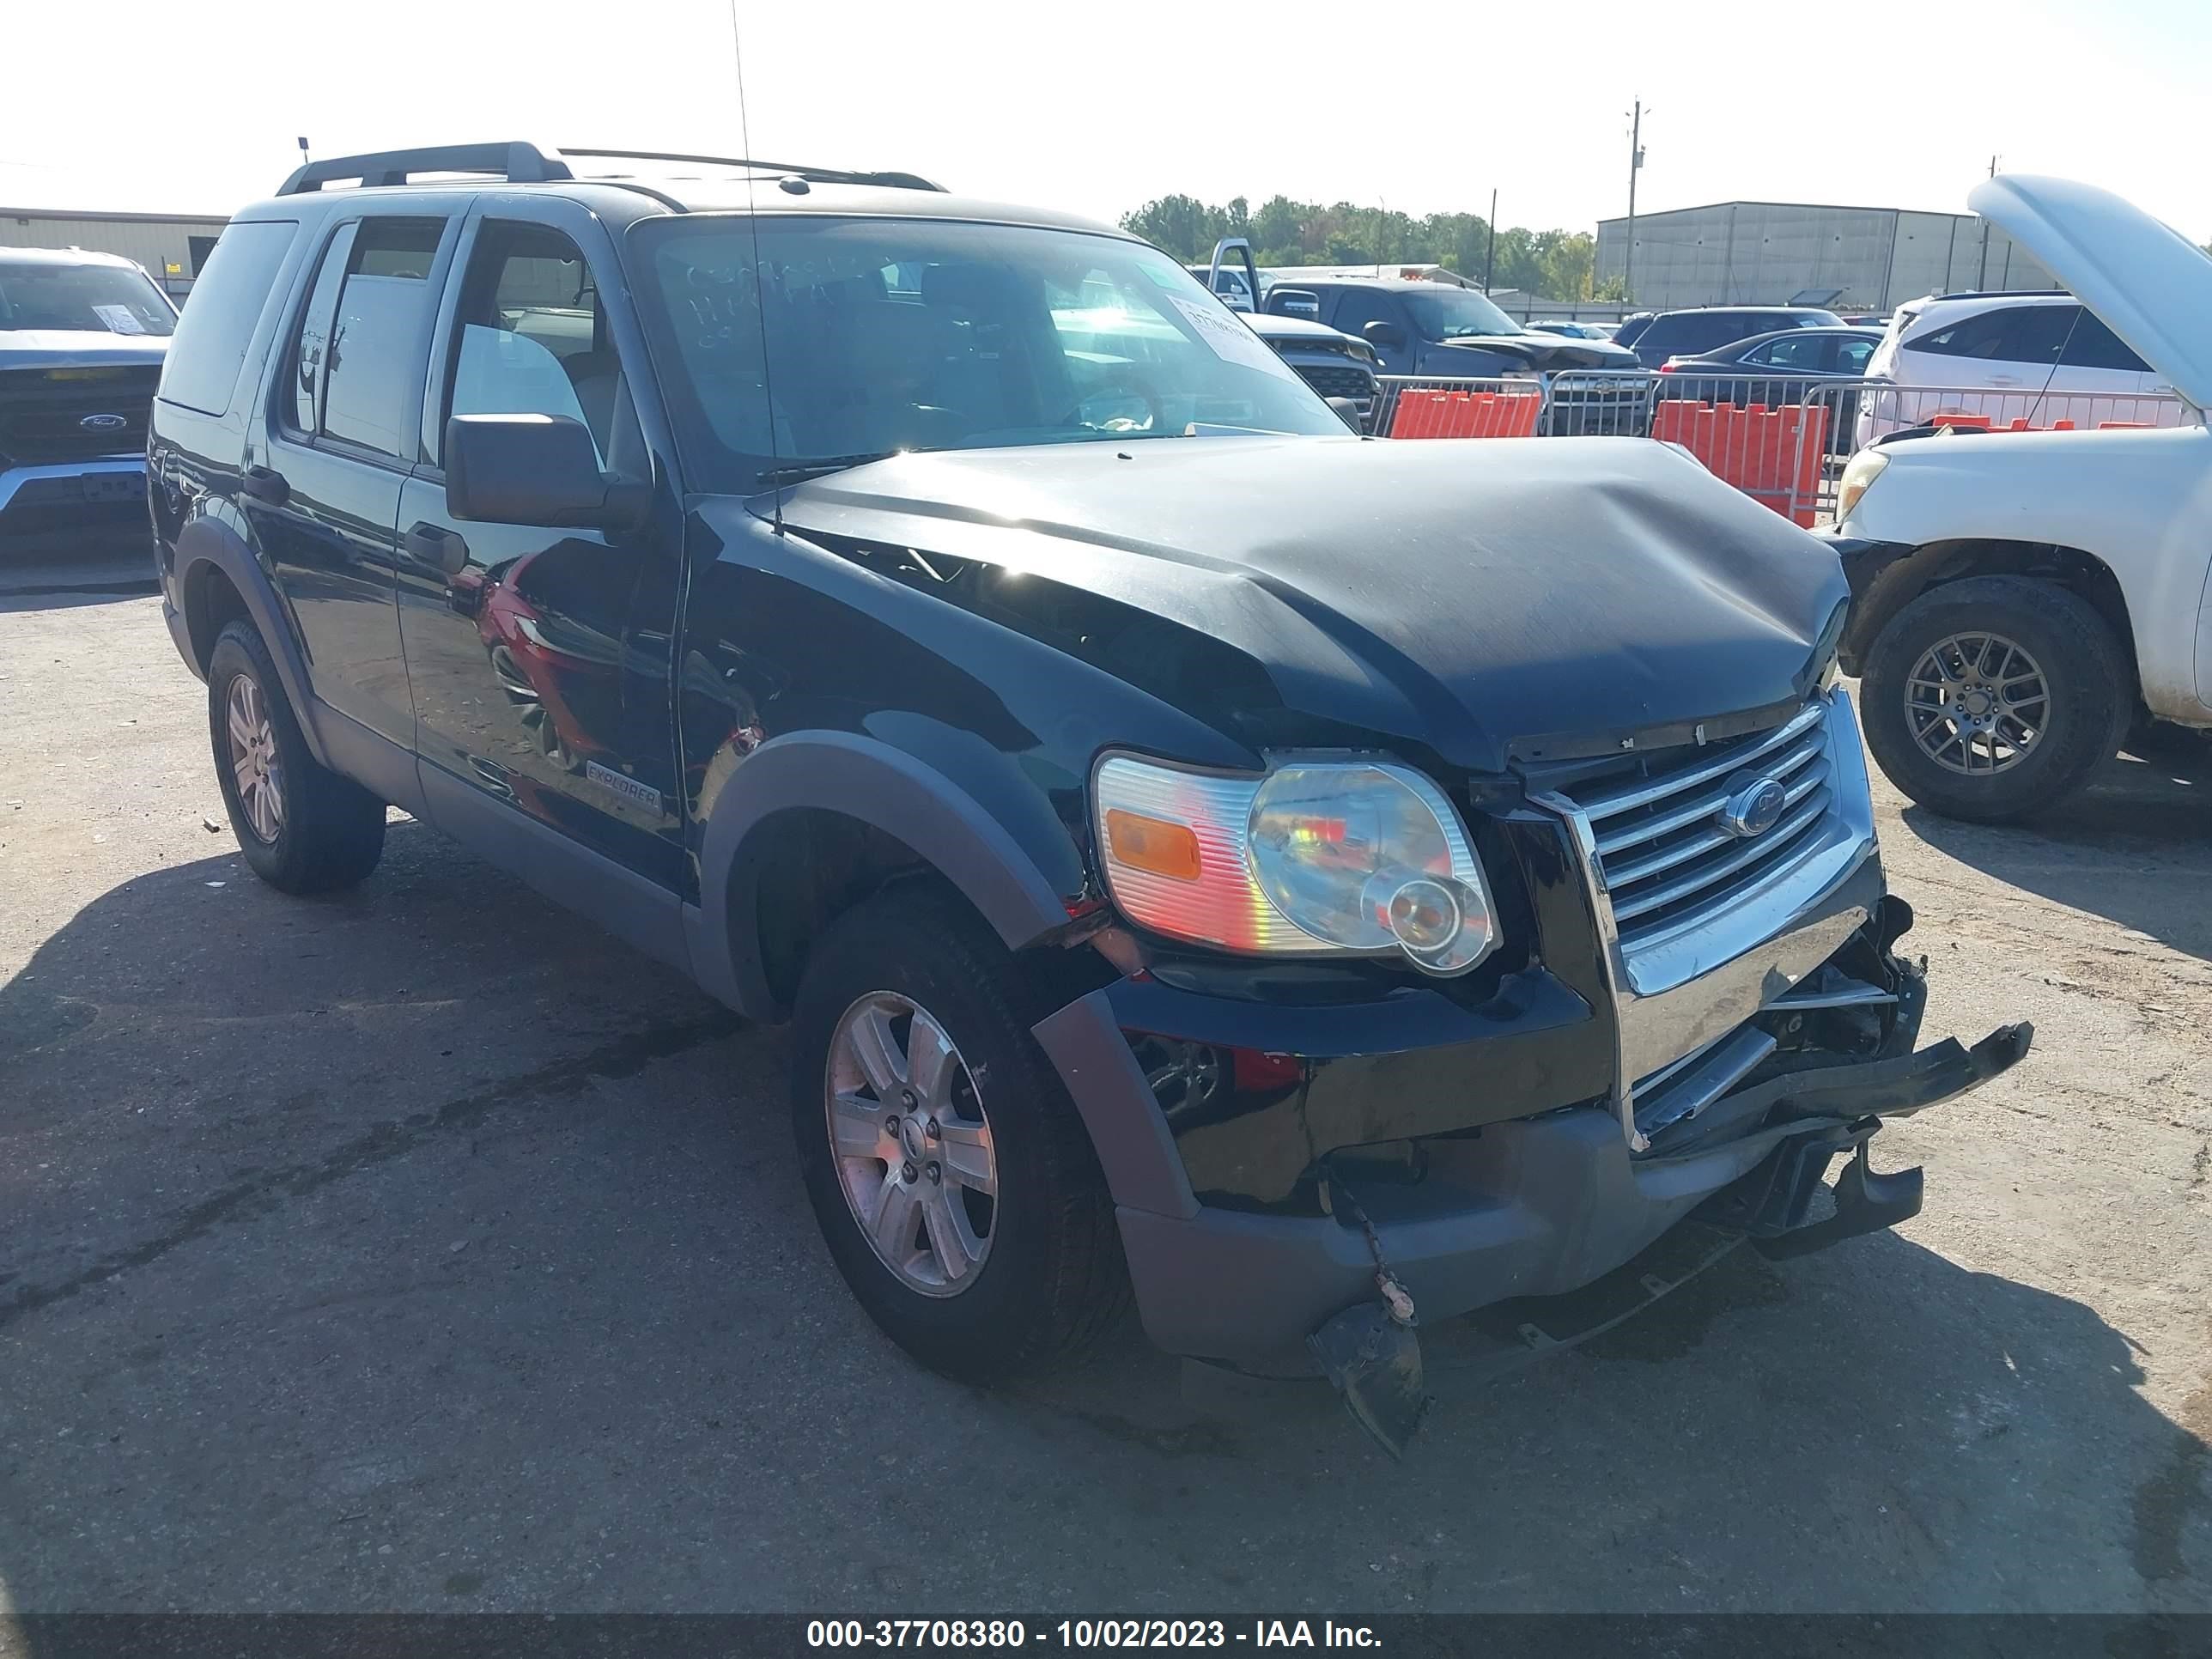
[
  {"x": 865, "y": 778},
  {"x": 208, "y": 540}
]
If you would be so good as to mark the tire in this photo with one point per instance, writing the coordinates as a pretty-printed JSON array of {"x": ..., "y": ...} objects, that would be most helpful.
[
  {"x": 2088, "y": 690},
  {"x": 327, "y": 832},
  {"x": 1051, "y": 1276}
]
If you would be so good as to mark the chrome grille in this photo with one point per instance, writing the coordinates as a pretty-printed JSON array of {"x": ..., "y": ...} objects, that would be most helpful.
[{"x": 1661, "y": 851}]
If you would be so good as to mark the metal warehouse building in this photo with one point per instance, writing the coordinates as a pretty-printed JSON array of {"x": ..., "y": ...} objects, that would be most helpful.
[
  {"x": 171, "y": 247},
  {"x": 1772, "y": 252}
]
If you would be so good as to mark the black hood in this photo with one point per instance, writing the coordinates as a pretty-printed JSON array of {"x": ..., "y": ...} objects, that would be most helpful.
[
  {"x": 1484, "y": 599},
  {"x": 1549, "y": 351}
]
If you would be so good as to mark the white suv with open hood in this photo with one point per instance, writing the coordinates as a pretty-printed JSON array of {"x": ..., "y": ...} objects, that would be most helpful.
[{"x": 2019, "y": 598}]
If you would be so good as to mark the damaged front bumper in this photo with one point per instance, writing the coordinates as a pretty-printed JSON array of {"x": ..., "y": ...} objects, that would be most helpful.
[{"x": 1541, "y": 1205}]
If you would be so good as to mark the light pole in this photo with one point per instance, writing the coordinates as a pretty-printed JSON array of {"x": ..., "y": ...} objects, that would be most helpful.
[
  {"x": 1635, "y": 166},
  {"x": 1490, "y": 253}
]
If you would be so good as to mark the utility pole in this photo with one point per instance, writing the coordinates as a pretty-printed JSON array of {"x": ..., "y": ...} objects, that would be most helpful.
[
  {"x": 1490, "y": 254},
  {"x": 1982, "y": 276},
  {"x": 1635, "y": 166}
]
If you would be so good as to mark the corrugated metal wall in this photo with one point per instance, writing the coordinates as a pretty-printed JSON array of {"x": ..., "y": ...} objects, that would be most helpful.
[
  {"x": 162, "y": 247},
  {"x": 1768, "y": 253}
]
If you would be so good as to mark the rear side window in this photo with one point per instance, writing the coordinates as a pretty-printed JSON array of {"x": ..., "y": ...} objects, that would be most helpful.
[
  {"x": 1805, "y": 351},
  {"x": 2013, "y": 334},
  {"x": 1697, "y": 332},
  {"x": 380, "y": 340},
  {"x": 2094, "y": 346},
  {"x": 235, "y": 286}
]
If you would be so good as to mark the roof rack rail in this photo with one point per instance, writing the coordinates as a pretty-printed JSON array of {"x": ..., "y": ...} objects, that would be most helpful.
[
  {"x": 517, "y": 163},
  {"x": 1998, "y": 292},
  {"x": 892, "y": 180}
]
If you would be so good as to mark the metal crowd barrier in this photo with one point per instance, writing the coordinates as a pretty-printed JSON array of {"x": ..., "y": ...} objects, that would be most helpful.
[{"x": 1781, "y": 439}]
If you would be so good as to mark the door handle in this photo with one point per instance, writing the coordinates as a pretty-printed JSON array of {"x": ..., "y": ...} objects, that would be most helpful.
[
  {"x": 267, "y": 483},
  {"x": 437, "y": 547}
]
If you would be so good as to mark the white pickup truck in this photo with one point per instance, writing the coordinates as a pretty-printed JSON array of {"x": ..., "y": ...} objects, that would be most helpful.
[{"x": 2019, "y": 599}]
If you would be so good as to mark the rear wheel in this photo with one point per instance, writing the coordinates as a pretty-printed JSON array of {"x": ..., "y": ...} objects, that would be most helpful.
[
  {"x": 949, "y": 1170},
  {"x": 1994, "y": 697},
  {"x": 302, "y": 828}
]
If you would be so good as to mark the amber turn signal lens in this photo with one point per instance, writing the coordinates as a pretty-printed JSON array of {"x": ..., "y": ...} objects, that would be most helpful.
[{"x": 1152, "y": 844}]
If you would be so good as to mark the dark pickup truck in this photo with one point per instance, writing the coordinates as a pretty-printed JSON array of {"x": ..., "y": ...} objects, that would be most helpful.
[{"x": 1316, "y": 884}]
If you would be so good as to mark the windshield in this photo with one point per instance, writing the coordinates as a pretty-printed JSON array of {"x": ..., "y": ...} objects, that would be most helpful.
[
  {"x": 109, "y": 299},
  {"x": 890, "y": 334},
  {"x": 1448, "y": 313}
]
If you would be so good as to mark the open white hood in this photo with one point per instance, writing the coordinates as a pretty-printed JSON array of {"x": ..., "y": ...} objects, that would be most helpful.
[{"x": 2151, "y": 286}]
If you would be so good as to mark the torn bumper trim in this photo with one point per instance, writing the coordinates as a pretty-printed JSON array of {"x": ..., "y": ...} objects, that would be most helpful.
[{"x": 1541, "y": 1205}]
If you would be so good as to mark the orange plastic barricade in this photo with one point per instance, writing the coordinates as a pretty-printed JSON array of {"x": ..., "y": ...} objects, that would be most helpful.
[
  {"x": 1446, "y": 414},
  {"x": 1983, "y": 423},
  {"x": 1772, "y": 455}
]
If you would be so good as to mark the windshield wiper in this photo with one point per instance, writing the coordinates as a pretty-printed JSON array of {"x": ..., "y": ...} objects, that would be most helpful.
[{"x": 776, "y": 478}]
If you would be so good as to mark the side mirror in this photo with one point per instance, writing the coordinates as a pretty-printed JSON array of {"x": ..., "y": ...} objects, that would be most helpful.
[
  {"x": 1388, "y": 336},
  {"x": 535, "y": 469},
  {"x": 1293, "y": 303},
  {"x": 1348, "y": 412}
]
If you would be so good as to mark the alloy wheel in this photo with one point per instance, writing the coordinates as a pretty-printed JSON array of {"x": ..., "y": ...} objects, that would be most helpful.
[
  {"x": 1977, "y": 703},
  {"x": 912, "y": 1144},
  {"x": 256, "y": 768}
]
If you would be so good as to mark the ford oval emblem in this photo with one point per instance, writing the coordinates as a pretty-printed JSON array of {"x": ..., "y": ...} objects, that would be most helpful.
[
  {"x": 1753, "y": 810},
  {"x": 104, "y": 422}
]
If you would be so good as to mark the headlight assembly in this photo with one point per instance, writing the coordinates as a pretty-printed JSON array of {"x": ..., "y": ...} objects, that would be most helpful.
[
  {"x": 1319, "y": 857},
  {"x": 1859, "y": 472}
]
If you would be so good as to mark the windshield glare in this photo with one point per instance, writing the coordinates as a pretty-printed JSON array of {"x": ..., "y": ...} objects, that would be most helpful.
[
  {"x": 100, "y": 298},
  {"x": 885, "y": 334},
  {"x": 1450, "y": 312}
]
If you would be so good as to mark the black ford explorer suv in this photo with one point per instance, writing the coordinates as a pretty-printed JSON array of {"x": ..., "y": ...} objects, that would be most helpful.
[{"x": 1313, "y": 883}]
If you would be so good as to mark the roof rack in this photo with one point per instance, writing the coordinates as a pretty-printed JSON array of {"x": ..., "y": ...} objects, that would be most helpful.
[
  {"x": 892, "y": 180},
  {"x": 1998, "y": 292},
  {"x": 518, "y": 163},
  {"x": 522, "y": 163}
]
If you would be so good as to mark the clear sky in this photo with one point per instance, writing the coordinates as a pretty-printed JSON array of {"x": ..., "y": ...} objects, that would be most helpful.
[{"x": 1097, "y": 107}]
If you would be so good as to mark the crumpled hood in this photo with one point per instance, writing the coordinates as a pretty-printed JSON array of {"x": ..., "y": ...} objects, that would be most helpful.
[
  {"x": 72, "y": 348},
  {"x": 1485, "y": 600},
  {"x": 2151, "y": 285},
  {"x": 1547, "y": 352}
]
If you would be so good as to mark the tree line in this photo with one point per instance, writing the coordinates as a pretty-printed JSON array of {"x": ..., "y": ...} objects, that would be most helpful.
[{"x": 1559, "y": 265}]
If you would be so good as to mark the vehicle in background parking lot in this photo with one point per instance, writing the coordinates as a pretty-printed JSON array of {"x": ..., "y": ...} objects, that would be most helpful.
[
  {"x": 2021, "y": 598},
  {"x": 2042, "y": 343},
  {"x": 1812, "y": 353},
  {"x": 1430, "y": 328},
  {"x": 82, "y": 338},
  {"x": 1575, "y": 331},
  {"x": 1778, "y": 369},
  {"x": 1199, "y": 851},
  {"x": 1708, "y": 328},
  {"x": 1233, "y": 283},
  {"x": 1336, "y": 364}
]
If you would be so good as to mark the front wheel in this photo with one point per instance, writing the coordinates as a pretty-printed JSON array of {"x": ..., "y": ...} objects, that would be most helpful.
[
  {"x": 950, "y": 1172},
  {"x": 1994, "y": 697}
]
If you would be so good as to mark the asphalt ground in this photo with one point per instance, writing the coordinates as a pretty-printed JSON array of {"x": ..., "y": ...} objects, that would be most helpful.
[{"x": 425, "y": 1249}]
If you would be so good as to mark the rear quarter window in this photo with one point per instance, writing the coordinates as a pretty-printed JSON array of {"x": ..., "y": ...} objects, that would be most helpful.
[{"x": 233, "y": 288}]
